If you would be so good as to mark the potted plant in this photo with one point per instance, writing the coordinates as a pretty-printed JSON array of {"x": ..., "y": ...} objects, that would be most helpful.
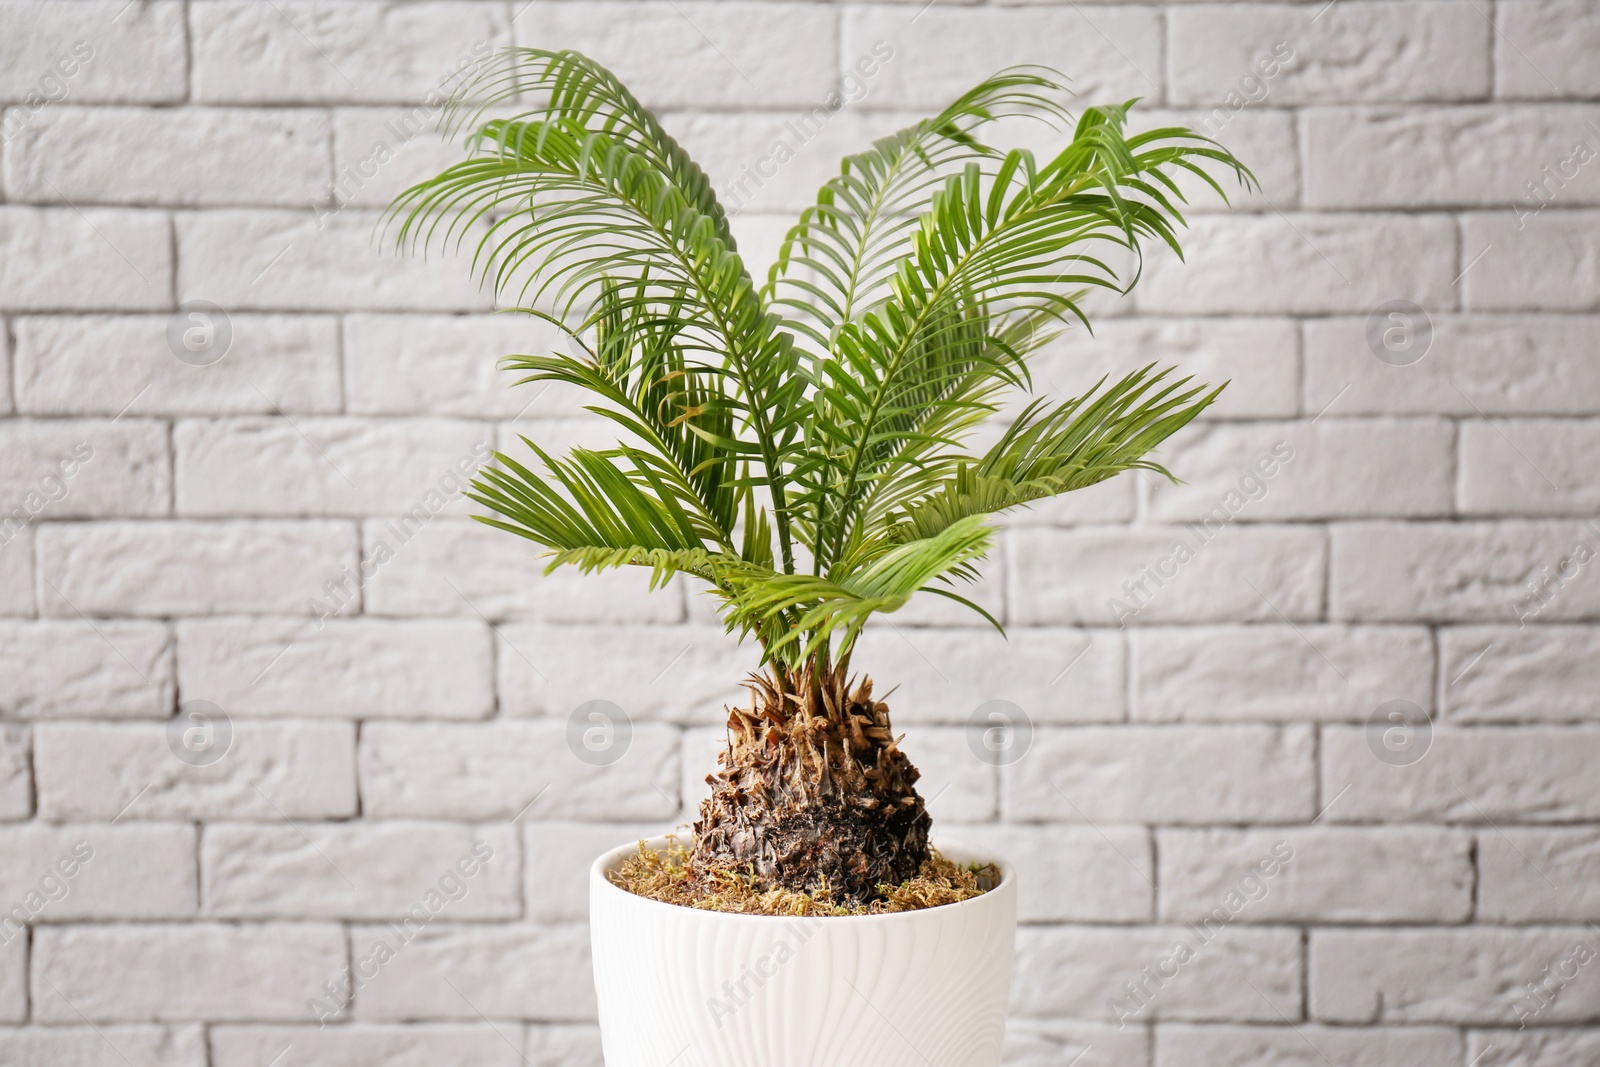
[{"x": 800, "y": 447}]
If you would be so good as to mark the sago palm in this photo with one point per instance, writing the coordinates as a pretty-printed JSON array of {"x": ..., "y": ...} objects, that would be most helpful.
[{"x": 801, "y": 446}]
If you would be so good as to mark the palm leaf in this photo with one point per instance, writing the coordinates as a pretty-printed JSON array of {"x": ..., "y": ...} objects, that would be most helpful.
[{"x": 828, "y": 410}]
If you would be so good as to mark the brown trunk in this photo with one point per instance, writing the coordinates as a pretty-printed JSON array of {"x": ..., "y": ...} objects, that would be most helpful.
[{"x": 814, "y": 792}]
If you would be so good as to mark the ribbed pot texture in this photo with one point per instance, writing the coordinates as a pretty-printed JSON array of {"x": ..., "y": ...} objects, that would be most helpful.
[{"x": 679, "y": 987}]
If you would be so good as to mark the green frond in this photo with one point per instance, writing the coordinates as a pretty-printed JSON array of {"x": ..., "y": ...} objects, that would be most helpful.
[
  {"x": 572, "y": 87},
  {"x": 809, "y": 614},
  {"x": 818, "y": 422},
  {"x": 1025, "y": 239},
  {"x": 837, "y": 260},
  {"x": 1050, "y": 451}
]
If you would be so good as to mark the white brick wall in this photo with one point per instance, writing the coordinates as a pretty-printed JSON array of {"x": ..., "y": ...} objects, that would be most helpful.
[{"x": 1435, "y": 539}]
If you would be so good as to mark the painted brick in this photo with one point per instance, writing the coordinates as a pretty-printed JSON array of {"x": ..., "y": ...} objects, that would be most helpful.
[
  {"x": 701, "y": 747},
  {"x": 1084, "y": 973},
  {"x": 473, "y": 972},
  {"x": 957, "y": 785},
  {"x": 1055, "y": 675},
  {"x": 1474, "y": 775},
  {"x": 1329, "y": 468},
  {"x": 1256, "y": 357},
  {"x": 81, "y": 469},
  {"x": 1477, "y": 364},
  {"x": 100, "y": 872},
  {"x": 1528, "y": 467},
  {"x": 1469, "y": 572},
  {"x": 380, "y": 151},
  {"x": 1545, "y": 875},
  {"x": 1239, "y": 730},
  {"x": 1182, "y": 1045},
  {"x": 364, "y": 871},
  {"x": 776, "y": 162},
  {"x": 759, "y": 238},
  {"x": 1316, "y": 874},
  {"x": 1454, "y": 157},
  {"x": 105, "y": 1046},
  {"x": 497, "y": 770},
  {"x": 1356, "y": 51},
  {"x": 128, "y": 56},
  {"x": 300, "y": 261},
  {"x": 270, "y": 772},
  {"x": 332, "y": 466},
  {"x": 1039, "y": 1043},
  {"x": 446, "y": 365},
  {"x": 942, "y": 52},
  {"x": 339, "y": 668},
  {"x": 557, "y": 857},
  {"x": 187, "y": 568},
  {"x": 1537, "y": 674},
  {"x": 16, "y": 772},
  {"x": 659, "y": 673},
  {"x": 715, "y": 60},
  {"x": 124, "y": 156},
  {"x": 564, "y": 1046},
  {"x": 14, "y": 980},
  {"x": 16, "y": 568},
  {"x": 1536, "y": 1047},
  {"x": 171, "y": 973},
  {"x": 1075, "y": 873},
  {"x": 358, "y": 1045},
  {"x": 1276, "y": 673},
  {"x": 105, "y": 364},
  {"x": 1102, "y": 576},
  {"x": 1544, "y": 262},
  {"x": 1171, "y": 774},
  {"x": 338, "y": 53},
  {"x": 1257, "y": 136},
  {"x": 1542, "y": 47},
  {"x": 1471, "y": 976},
  {"x": 450, "y": 567},
  {"x": 1303, "y": 264},
  {"x": 99, "y": 259}
]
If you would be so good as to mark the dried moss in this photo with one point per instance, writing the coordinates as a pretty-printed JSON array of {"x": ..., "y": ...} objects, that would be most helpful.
[{"x": 666, "y": 875}]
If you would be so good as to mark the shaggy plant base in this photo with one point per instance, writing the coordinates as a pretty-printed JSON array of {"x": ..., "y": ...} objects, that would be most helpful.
[{"x": 666, "y": 876}]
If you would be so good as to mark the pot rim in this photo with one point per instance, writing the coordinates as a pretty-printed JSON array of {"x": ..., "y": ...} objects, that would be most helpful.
[{"x": 1007, "y": 883}]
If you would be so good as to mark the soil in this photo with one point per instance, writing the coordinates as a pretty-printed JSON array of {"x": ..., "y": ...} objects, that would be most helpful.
[{"x": 666, "y": 876}]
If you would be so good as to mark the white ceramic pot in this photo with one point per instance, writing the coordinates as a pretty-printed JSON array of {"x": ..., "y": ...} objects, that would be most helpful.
[{"x": 685, "y": 988}]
